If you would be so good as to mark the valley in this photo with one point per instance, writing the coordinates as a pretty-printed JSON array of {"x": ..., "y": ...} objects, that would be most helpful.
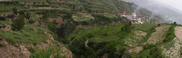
[{"x": 85, "y": 29}]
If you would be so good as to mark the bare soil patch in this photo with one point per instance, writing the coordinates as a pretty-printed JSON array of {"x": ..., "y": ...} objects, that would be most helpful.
[
  {"x": 9, "y": 51},
  {"x": 157, "y": 36}
]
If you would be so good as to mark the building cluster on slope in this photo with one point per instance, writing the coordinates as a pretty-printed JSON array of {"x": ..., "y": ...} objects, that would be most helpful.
[{"x": 134, "y": 18}]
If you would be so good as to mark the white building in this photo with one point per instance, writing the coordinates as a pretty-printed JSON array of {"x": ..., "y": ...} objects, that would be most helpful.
[{"x": 134, "y": 18}]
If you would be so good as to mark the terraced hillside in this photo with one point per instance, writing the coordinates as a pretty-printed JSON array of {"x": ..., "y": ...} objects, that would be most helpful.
[{"x": 82, "y": 29}]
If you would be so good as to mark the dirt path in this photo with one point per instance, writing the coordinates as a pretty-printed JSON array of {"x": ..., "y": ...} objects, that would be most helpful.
[
  {"x": 178, "y": 33},
  {"x": 174, "y": 51},
  {"x": 158, "y": 34}
]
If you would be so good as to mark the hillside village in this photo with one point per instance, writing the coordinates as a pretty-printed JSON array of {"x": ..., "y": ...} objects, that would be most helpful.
[
  {"x": 134, "y": 18},
  {"x": 84, "y": 29}
]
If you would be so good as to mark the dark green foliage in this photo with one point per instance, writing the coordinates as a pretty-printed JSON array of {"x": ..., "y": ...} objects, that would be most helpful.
[
  {"x": 151, "y": 51},
  {"x": 97, "y": 41},
  {"x": 46, "y": 53},
  {"x": 95, "y": 50},
  {"x": 127, "y": 27},
  {"x": 174, "y": 23},
  {"x": 84, "y": 23},
  {"x": 2, "y": 18},
  {"x": 100, "y": 19},
  {"x": 27, "y": 15},
  {"x": 18, "y": 23},
  {"x": 1, "y": 45},
  {"x": 97, "y": 6},
  {"x": 15, "y": 11},
  {"x": 102, "y": 6},
  {"x": 170, "y": 35},
  {"x": 105, "y": 19},
  {"x": 30, "y": 34},
  {"x": 7, "y": 7},
  {"x": 79, "y": 5},
  {"x": 149, "y": 33},
  {"x": 52, "y": 27},
  {"x": 108, "y": 40},
  {"x": 50, "y": 13},
  {"x": 66, "y": 29}
]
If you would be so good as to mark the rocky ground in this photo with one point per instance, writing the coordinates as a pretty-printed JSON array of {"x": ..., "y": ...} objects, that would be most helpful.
[
  {"x": 157, "y": 36},
  {"x": 174, "y": 51},
  {"x": 9, "y": 50}
]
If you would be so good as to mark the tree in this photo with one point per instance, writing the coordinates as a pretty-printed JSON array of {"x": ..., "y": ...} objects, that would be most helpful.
[
  {"x": 27, "y": 15},
  {"x": 15, "y": 11},
  {"x": 174, "y": 23},
  {"x": 127, "y": 27},
  {"x": 18, "y": 23}
]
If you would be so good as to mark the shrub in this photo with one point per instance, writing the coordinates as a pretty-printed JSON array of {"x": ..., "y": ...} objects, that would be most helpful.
[
  {"x": 151, "y": 51},
  {"x": 18, "y": 23},
  {"x": 15, "y": 11},
  {"x": 28, "y": 35},
  {"x": 46, "y": 53},
  {"x": 127, "y": 27},
  {"x": 170, "y": 35},
  {"x": 52, "y": 27}
]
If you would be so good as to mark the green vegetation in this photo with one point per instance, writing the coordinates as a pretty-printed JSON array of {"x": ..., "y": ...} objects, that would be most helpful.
[
  {"x": 180, "y": 51},
  {"x": 52, "y": 27},
  {"x": 5, "y": 7},
  {"x": 169, "y": 44},
  {"x": 112, "y": 38},
  {"x": 151, "y": 51},
  {"x": 146, "y": 27},
  {"x": 28, "y": 35},
  {"x": 18, "y": 23},
  {"x": 53, "y": 51},
  {"x": 5, "y": 22},
  {"x": 96, "y": 41},
  {"x": 99, "y": 32},
  {"x": 170, "y": 35},
  {"x": 91, "y": 28},
  {"x": 106, "y": 19}
]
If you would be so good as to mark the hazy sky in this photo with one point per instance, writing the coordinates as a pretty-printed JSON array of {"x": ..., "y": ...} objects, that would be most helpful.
[
  {"x": 173, "y": 3},
  {"x": 168, "y": 9}
]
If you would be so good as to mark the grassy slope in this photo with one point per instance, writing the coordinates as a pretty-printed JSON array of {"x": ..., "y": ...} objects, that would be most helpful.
[
  {"x": 29, "y": 35},
  {"x": 146, "y": 27},
  {"x": 8, "y": 7},
  {"x": 170, "y": 35},
  {"x": 53, "y": 51},
  {"x": 111, "y": 35},
  {"x": 97, "y": 32}
]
